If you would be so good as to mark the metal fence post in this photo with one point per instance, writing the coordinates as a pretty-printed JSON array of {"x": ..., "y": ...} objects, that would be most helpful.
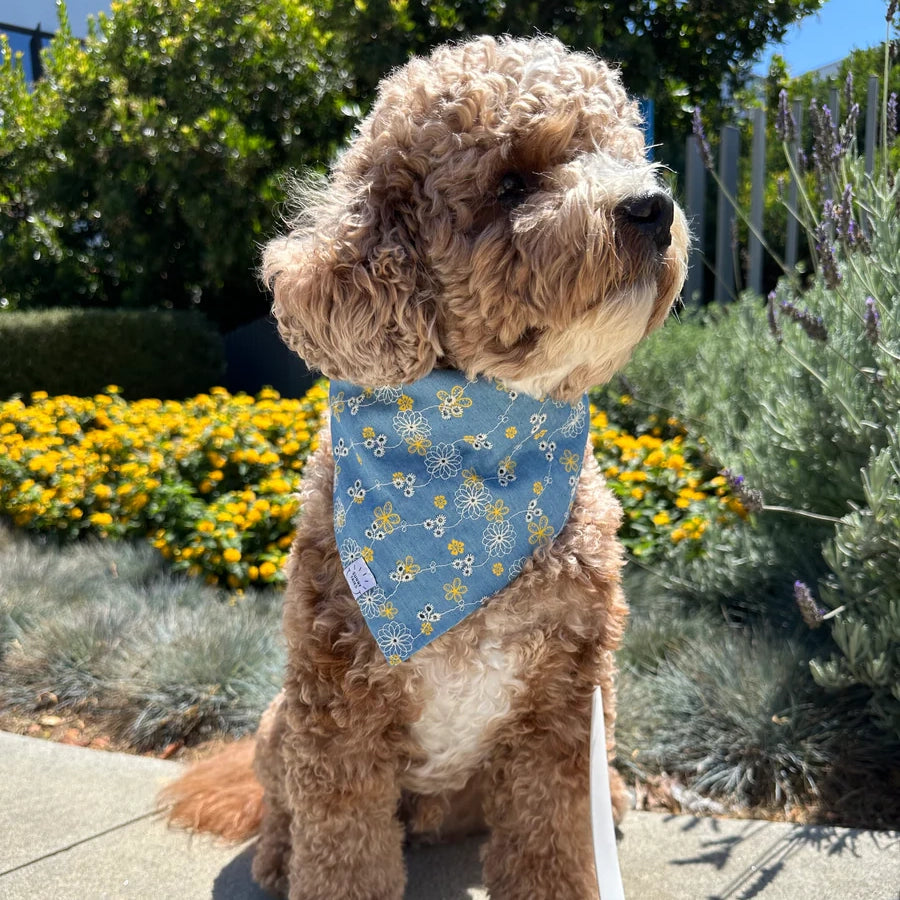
[
  {"x": 695, "y": 209},
  {"x": 871, "y": 123},
  {"x": 729, "y": 148},
  {"x": 757, "y": 201}
]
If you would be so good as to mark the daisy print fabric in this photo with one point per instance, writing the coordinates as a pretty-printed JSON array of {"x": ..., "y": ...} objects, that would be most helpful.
[{"x": 443, "y": 488}]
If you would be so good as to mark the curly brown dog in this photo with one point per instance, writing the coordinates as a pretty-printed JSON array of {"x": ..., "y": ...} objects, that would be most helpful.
[{"x": 494, "y": 215}]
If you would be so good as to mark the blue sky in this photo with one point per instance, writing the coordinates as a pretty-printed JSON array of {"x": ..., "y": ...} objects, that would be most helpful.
[{"x": 829, "y": 35}]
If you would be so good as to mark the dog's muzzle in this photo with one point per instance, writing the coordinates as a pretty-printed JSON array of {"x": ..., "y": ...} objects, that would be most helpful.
[{"x": 651, "y": 215}]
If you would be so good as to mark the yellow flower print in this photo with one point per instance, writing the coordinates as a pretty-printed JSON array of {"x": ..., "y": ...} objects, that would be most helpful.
[
  {"x": 496, "y": 511},
  {"x": 388, "y": 610},
  {"x": 440, "y": 501},
  {"x": 368, "y": 554},
  {"x": 537, "y": 488},
  {"x": 386, "y": 518},
  {"x": 394, "y": 659},
  {"x": 511, "y": 432},
  {"x": 456, "y": 547},
  {"x": 338, "y": 405},
  {"x": 419, "y": 444},
  {"x": 454, "y": 591},
  {"x": 570, "y": 460},
  {"x": 427, "y": 628},
  {"x": 405, "y": 403},
  {"x": 498, "y": 569},
  {"x": 368, "y": 433},
  {"x": 470, "y": 476},
  {"x": 540, "y": 532},
  {"x": 405, "y": 570},
  {"x": 453, "y": 402}
]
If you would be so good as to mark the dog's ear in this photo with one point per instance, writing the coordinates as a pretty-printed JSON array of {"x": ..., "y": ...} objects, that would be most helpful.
[{"x": 351, "y": 295}]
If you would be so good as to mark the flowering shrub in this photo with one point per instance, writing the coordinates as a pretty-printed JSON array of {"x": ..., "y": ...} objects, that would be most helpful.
[
  {"x": 212, "y": 481},
  {"x": 668, "y": 490}
]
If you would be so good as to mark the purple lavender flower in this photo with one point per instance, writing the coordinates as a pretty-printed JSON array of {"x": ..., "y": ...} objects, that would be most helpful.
[
  {"x": 813, "y": 325},
  {"x": 774, "y": 327},
  {"x": 873, "y": 321},
  {"x": 750, "y": 499},
  {"x": 805, "y": 601},
  {"x": 785, "y": 126},
  {"x": 697, "y": 126},
  {"x": 827, "y": 258}
]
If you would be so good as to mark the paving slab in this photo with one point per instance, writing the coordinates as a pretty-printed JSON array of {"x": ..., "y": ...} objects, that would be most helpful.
[{"x": 78, "y": 823}]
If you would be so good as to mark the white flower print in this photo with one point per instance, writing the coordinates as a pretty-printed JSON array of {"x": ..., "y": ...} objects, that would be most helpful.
[
  {"x": 341, "y": 449},
  {"x": 498, "y": 538},
  {"x": 357, "y": 492},
  {"x": 464, "y": 564},
  {"x": 411, "y": 425},
  {"x": 354, "y": 403},
  {"x": 478, "y": 441},
  {"x": 472, "y": 499},
  {"x": 533, "y": 511},
  {"x": 537, "y": 421},
  {"x": 443, "y": 461},
  {"x": 389, "y": 393},
  {"x": 506, "y": 471},
  {"x": 395, "y": 638},
  {"x": 376, "y": 444},
  {"x": 575, "y": 422},
  {"x": 370, "y": 602},
  {"x": 409, "y": 486},
  {"x": 340, "y": 515},
  {"x": 350, "y": 551}
]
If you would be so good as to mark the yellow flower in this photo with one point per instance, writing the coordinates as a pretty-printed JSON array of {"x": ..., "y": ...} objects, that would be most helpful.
[
  {"x": 570, "y": 460},
  {"x": 427, "y": 628},
  {"x": 405, "y": 404},
  {"x": 511, "y": 432},
  {"x": 537, "y": 488},
  {"x": 388, "y": 610},
  {"x": 456, "y": 547},
  {"x": 637, "y": 493},
  {"x": 454, "y": 591},
  {"x": 101, "y": 519},
  {"x": 368, "y": 554},
  {"x": 267, "y": 569},
  {"x": 498, "y": 569},
  {"x": 440, "y": 501},
  {"x": 232, "y": 555},
  {"x": 661, "y": 518},
  {"x": 205, "y": 526},
  {"x": 496, "y": 511},
  {"x": 540, "y": 532},
  {"x": 368, "y": 432}
]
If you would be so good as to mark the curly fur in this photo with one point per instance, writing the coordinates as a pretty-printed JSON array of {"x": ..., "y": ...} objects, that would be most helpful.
[{"x": 414, "y": 255}]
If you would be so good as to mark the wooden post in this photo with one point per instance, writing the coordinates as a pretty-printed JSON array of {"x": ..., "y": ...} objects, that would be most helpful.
[
  {"x": 793, "y": 225},
  {"x": 695, "y": 210},
  {"x": 757, "y": 201},
  {"x": 729, "y": 148}
]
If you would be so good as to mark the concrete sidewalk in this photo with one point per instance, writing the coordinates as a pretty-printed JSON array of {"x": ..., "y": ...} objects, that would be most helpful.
[{"x": 78, "y": 824}]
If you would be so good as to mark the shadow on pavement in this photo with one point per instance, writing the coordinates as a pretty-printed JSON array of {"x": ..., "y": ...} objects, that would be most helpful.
[{"x": 444, "y": 872}]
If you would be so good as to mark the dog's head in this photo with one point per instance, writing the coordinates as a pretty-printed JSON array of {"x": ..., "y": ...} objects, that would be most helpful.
[{"x": 495, "y": 214}]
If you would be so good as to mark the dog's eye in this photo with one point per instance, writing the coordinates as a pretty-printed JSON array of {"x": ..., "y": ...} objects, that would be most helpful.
[{"x": 512, "y": 189}]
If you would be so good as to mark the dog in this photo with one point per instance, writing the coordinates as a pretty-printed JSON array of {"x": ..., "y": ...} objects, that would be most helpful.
[{"x": 494, "y": 220}]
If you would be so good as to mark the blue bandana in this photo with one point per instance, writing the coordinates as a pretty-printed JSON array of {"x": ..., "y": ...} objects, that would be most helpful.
[{"x": 442, "y": 490}]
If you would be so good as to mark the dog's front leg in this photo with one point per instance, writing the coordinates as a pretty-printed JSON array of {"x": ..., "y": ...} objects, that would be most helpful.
[
  {"x": 538, "y": 810},
  {"x": 346, "y": 840}
]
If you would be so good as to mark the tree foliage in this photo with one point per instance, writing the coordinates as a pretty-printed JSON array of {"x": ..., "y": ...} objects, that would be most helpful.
[{"x": 143, "y": 168}]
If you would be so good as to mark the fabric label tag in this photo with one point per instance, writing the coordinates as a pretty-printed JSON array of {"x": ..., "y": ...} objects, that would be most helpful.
[{"x": 359, "y": 577}]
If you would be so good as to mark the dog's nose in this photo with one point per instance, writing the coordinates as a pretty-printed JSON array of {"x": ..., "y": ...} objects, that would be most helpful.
[{"x": 651, "y": 215}]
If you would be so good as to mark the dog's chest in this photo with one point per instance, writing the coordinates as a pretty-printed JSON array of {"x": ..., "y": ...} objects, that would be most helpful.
[{"x": 466, "y": 699}]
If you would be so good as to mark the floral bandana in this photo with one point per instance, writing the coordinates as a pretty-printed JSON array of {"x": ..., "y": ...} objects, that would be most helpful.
[{"x": 443, "y": 489}]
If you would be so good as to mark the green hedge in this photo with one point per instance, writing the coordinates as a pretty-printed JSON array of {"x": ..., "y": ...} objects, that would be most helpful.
[{"x": 165, "y": 354}]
